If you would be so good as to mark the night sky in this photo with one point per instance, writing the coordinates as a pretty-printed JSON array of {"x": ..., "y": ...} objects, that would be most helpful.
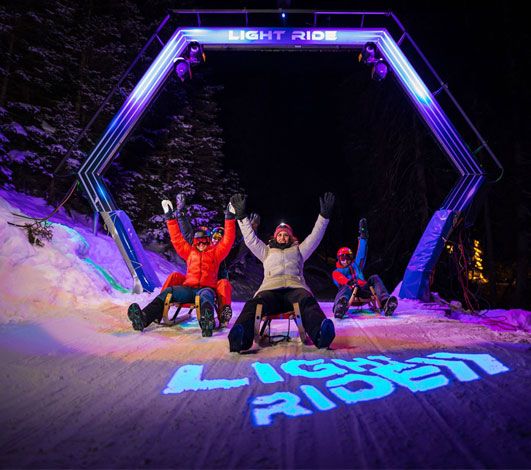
[{"x": 283, "y": 134}]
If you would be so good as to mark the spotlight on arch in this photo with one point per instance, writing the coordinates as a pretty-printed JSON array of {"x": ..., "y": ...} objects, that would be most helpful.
[
  {"x": 196, "y": 54},
  {"x": 379, "y": 70},
  {"x": 182, "y": 69},
  {"x": 368, "y": 54}
]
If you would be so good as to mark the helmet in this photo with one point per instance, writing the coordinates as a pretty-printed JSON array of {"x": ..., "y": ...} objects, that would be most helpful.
[
  {"x": 345, "y": 252},
  {"x": 217, "y": 233},
  {"x": 204, "y": 228}
]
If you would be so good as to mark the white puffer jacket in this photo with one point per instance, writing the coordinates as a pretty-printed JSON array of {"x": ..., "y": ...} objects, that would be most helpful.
[{"x": 283, "y": 268}]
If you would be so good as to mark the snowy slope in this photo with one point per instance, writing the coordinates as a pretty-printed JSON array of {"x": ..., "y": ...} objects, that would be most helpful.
[
  {"x": 77, "y": 270},
  {"x": 80, "y": 388},
  {"x": 68, "y": 273}
]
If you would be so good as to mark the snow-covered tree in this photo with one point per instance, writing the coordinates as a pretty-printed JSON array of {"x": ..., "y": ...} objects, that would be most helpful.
[{"x": 178, "y": 148}]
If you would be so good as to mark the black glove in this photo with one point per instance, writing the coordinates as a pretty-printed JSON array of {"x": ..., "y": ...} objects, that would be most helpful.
[
  {"x": 327, "y": 204},
  {"x": 228, "y": 214},
  {"x": 352, "y": 282},
  {"x": 238, "y": 201},
  {"x": 180, "y": 202},
  {"x": 364, "y": 231}
]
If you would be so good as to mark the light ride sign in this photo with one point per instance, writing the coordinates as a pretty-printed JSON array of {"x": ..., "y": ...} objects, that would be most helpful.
[{"x": 278, "y": 35}]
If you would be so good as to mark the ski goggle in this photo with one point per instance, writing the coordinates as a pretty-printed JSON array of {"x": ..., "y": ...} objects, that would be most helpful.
[
  {"x": 204, "y": 240},
  {"x": 345, "y": 257}
]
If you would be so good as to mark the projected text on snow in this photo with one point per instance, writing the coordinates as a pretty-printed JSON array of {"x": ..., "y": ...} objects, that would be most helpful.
[{"x": 337, "y": 382}]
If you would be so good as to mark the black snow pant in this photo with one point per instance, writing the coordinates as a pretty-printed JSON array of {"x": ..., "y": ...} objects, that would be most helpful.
[
  {"x": 280, "y": 301},
  {"x": 364, "y": 292}
]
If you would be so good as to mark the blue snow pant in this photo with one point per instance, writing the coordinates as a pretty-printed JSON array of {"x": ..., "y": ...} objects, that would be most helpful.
[
  {"x": 364, "y": 292},
  {"x": 281, "y": 301},
  {"x": 181, "y": 294}
]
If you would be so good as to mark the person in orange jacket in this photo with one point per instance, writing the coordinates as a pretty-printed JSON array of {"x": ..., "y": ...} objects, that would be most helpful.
[
  {"x": 202, "y": 265},
  {"x": 238, "y": 251}
]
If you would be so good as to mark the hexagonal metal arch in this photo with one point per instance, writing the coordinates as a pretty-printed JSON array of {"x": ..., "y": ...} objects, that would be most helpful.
[{"x": 416, "y": 278}]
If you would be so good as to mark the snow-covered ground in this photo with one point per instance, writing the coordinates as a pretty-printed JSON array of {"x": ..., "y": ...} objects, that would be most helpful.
[{"x": 428, "y": 387}]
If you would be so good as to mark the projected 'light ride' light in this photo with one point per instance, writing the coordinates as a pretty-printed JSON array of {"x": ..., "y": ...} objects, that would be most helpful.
[{"x": 347, "y": 381}]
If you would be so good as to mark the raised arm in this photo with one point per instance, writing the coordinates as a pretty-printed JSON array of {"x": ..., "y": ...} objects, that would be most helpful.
[
  {"x": 256, "y": 246},
  {"x": 185, "y": 227},
  {"x": 223, "y": 247},
  {"x": 311, "y": 242},
  {"x": 182, "y": 247},
  {"x": 363, "y": 239},
  {"x": 361, "y": 253},
  {"x": 182, "y": 218},
  {"x": 308, "y": 246},
  {"x": 239, "y": 249}
]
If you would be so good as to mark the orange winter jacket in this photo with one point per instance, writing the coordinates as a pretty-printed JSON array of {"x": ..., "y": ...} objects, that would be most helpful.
[{"x": 202, "y": 267}]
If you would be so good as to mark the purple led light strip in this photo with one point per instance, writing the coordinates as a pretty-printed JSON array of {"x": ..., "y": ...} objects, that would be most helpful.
[
  {"x": 122, "y": 124},
  {"x": 423, "y": 100},
  {"x": 133, "y": 107},
  {"x": 285, "y": 38},
  {"x": 156, "y": 75},
  {"x": 435, "y": 116}
]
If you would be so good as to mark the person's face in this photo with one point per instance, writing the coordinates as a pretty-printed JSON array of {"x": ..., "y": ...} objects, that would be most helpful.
[
  {"x": 345, "y": 260},
  {"x": 202, "y": 244},
  {"x": 282, "y": 238}
]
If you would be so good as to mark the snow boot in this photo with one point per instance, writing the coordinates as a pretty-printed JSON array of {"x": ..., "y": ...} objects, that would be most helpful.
[
  {"x": 390, "y": 305},
  {"x": 142, "y": 318},
  {"x": 225, "y": 316},
  {"x": 135, "y": 314},
  {"x": 206, "y": 319},
  {"x": 236, "y": 338},
  {"x": 326, "y": 334},
  {"x": 341, "y": 308}
]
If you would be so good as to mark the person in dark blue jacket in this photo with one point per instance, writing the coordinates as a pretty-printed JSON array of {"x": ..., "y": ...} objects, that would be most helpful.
[{"x": 349, "y": 274}]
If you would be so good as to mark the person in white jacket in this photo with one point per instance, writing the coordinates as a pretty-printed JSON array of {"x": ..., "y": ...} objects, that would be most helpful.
[{"x": 283, "y": 259}]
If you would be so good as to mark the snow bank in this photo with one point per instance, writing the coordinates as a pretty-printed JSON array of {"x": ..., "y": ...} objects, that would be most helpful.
[
  {"x": 61, "y": 276},
  {"x": 497, "y": 320}
]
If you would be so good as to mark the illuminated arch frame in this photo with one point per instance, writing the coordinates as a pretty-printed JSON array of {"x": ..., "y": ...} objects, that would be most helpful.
[{"x": 416, "y": 278}]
